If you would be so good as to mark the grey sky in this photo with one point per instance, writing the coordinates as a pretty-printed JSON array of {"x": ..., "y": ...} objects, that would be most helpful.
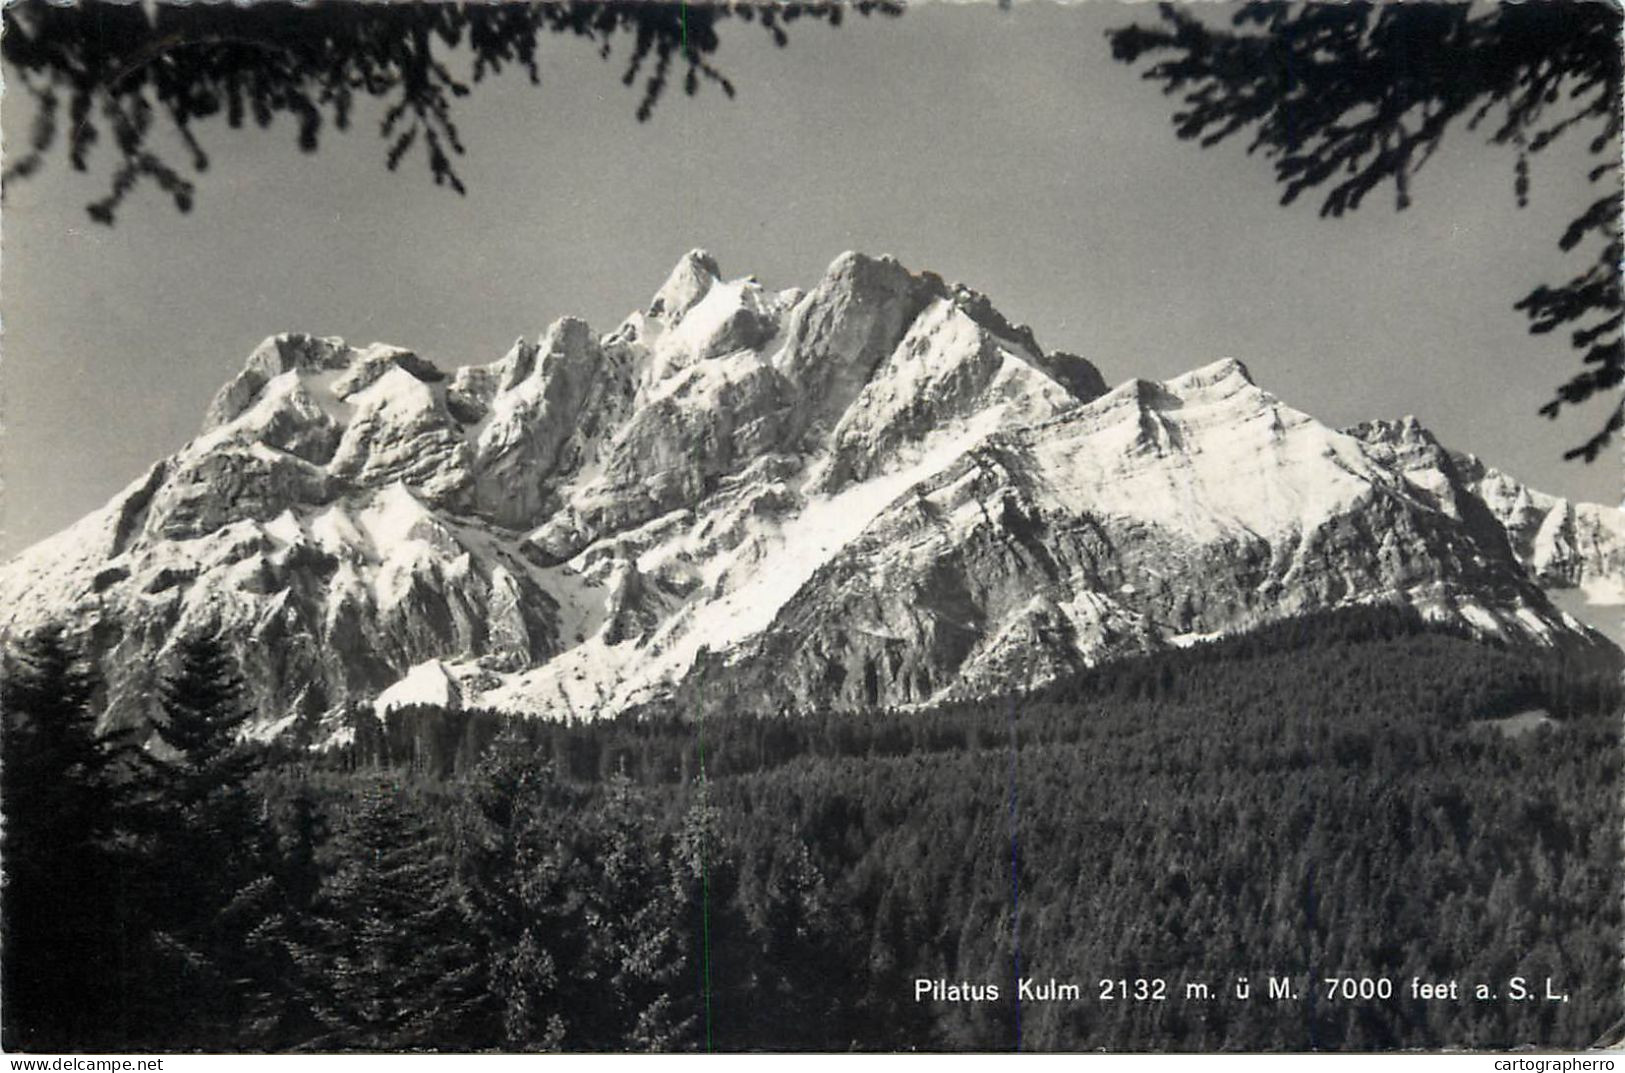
[{"x": 1000, "y": 148}]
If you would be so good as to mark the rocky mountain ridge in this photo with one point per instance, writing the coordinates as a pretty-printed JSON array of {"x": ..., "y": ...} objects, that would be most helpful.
[{"x": 875, "y": 491}]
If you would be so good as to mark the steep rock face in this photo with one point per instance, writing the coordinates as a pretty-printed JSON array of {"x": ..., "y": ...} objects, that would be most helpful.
[
  {"x": 1560, "y": 544},
  {"x": 323, "y": 605},
  {"x": 551, "y": 407},
  {"x": 1157, "y": 514},
  {"x": 401, "y": 430},
  {"x": 290, "y": 353},
  {"x": 206, "y": 490},
  {"x": 947, "y": 368},
  {"x": 878, "y": 491},
  {"x": 1563, "y": 544},
  {"x": 841, "y": 332},
  {"x": 705, "y": 422}
]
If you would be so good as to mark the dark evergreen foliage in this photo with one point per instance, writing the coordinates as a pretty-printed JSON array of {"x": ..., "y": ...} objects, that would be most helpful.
[
  {"x": 519, "y": 860},
  {"x": 1332, "y": 794},
  {"x": 204, "y": 706},
  {"x": 63, "y": 795},
  {"x": 637, "y": 952},
  {"x": 393, "y": 968},
  {"x": 116, "y": 69},
  {"x": 292, "y": 986},
  {"x": 1338, "y": 795},
  {"x": 208, "y": 883}
]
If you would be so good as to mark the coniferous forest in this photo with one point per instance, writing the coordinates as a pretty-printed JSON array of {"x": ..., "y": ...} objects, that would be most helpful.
[{"x": 1358, "y": 797}]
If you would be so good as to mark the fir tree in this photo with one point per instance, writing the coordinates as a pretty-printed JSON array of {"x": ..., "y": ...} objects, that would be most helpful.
[
  {"x": 293, "y": 985},
  {"x": 635, "y": 956},
  {"x": 63, "y": 798},
  {"x": 399, "y": 975},
  {"x": 212, "y": 882},
  {"x": 203, "y": 710},
  {"x": 724, "y": 970},
  {"x": 520, "y": 867}
]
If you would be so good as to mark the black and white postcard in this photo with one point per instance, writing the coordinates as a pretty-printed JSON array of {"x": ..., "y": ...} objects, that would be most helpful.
[{"x": 617, "y": 526}]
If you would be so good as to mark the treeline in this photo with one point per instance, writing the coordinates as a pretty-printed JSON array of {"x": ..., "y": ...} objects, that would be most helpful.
[
  {"x": 1448, "y": 674},
  {"x": 1323, "y": 799}
]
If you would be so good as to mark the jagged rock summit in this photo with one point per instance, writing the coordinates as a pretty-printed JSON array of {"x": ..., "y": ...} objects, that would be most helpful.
[{"x": 876, "y": 491}]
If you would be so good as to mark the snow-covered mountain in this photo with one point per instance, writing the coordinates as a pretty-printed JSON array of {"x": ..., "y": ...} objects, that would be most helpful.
[{"x": 876, "y": 491}]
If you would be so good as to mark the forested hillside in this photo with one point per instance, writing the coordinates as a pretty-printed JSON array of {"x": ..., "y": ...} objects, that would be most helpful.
[{"x": 1329, "y": 798}]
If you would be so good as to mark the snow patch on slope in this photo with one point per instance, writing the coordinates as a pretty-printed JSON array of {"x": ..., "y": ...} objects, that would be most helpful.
[
  {"x": 1207, "y": 454},
  {"x": 428, "y": 683}
]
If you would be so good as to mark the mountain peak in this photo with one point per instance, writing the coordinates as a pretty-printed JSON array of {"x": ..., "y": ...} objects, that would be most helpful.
[
  {"x": 1226, "y": 371},
  {"x": 338, "y": 367},
  {"x": 1407, "y": 430},
  {"x": 857, "y": 260},
  {"x": 688, "y": 282}
]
